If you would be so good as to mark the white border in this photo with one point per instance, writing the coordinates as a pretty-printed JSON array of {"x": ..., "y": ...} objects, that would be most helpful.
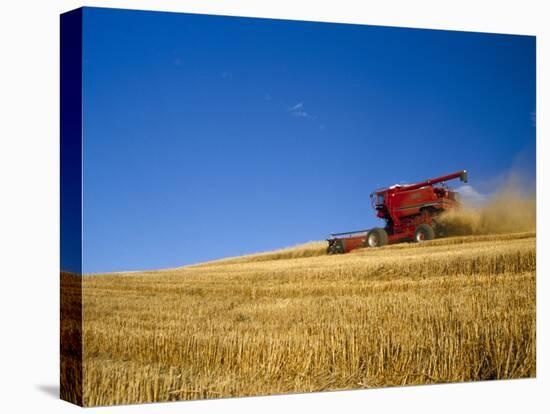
[{"x": 29, "y": 235}]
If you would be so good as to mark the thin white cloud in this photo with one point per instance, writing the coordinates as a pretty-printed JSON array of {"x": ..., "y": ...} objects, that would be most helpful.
[{"x": 298, "y": 111}]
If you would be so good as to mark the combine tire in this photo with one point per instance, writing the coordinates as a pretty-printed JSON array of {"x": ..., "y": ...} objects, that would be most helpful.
[
  {"x": 376, "y": 237},
  {"x": 335, "y": 247},
  {"x": 424, "y": 232}
]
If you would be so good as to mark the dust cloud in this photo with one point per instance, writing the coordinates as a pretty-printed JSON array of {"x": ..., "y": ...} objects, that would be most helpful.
[{"x": 510, "y": 209}]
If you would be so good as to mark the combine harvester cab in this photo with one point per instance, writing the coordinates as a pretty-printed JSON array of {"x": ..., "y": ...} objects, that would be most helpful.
[{"x": 409, "y": 211}]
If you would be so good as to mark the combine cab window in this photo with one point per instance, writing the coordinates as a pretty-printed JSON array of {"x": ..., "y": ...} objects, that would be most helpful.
[{"x": 379, "y": 199}]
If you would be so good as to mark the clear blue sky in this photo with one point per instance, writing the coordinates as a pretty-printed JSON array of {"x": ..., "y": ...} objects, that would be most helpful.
[{"x": 207, "y": 136}]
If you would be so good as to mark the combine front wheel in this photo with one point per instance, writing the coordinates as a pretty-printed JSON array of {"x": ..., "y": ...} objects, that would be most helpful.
[
  {"x": 424, "y": 232},
  {"x": 376, "y": 237}
]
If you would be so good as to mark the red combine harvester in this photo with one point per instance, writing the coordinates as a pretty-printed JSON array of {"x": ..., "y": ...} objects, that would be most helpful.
[{"x": 410, "y": 212}]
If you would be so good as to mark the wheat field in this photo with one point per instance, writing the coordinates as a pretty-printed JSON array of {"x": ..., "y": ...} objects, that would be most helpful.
[{"x": 297, "y": 320}]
